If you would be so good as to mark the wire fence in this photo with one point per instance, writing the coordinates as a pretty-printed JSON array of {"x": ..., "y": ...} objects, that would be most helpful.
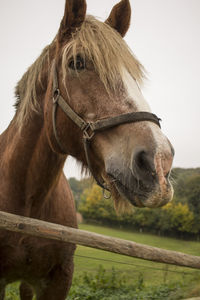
[
  {"x": 133, "y": 273},
  {"x": 136, "y": 265}
]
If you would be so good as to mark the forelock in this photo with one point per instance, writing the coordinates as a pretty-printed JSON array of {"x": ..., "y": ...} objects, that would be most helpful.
[{"x": 106, "y": 49}]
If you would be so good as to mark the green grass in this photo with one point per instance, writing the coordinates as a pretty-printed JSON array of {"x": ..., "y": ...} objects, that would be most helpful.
[{"x": 153, "y": 273}]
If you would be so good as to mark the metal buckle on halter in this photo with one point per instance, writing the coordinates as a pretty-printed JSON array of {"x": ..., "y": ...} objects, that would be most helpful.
[
  {"x": 106, "y": 193},
  {"x": 88, "y": 132},
  {"x": 56, "y": 95}
]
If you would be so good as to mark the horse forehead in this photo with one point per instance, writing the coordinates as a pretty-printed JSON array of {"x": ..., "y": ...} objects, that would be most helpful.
[{"x": 133, "y": 93}]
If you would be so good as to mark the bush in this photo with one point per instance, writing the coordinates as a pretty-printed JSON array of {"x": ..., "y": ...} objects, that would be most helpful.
[{"x": 105, "y": 286}]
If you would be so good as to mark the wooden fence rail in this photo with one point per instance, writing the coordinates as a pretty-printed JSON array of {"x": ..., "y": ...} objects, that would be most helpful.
[{"x": 43, "y": 229}]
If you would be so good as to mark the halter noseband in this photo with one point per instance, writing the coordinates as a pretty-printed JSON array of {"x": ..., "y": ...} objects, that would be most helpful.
[{"x": 89, "y": 129}]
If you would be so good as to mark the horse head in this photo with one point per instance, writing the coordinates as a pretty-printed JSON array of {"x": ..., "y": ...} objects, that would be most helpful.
[{"x": 95, "y": 73}]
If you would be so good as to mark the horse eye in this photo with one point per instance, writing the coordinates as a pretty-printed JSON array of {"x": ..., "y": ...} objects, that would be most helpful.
[{"x": 77, "y": 64}]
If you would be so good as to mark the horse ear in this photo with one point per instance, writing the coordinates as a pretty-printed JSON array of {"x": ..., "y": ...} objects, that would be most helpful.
[
  {"x": 120, "y": 17},
  {"x": 75, "y": 11}
]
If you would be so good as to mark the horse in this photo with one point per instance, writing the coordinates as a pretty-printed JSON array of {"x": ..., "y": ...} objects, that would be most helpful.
[{"x": 82, "y": 97}]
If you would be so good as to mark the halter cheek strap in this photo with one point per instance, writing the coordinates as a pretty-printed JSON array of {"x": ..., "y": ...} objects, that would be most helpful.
[{"x": 89, "y": 129}]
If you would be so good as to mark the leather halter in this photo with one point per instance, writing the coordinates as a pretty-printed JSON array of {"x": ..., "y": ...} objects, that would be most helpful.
[{"x": 89, "y": 129}]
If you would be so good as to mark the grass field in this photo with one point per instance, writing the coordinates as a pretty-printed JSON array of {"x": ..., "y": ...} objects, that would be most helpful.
[{"x": 153, "y": 274}]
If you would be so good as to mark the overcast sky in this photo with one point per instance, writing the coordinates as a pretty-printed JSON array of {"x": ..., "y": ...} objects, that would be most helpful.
[{"x": 164, "y": 35}]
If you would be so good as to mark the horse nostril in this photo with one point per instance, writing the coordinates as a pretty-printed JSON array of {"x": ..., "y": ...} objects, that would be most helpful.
[
  {"x": 143, "y": 164},
  {"x": 141, "y": 160}
]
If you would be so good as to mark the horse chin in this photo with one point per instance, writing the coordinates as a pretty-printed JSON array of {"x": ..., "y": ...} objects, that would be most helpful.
[
  {"x": 152, "y": 197},
  {"x": 159, "y": 197}
]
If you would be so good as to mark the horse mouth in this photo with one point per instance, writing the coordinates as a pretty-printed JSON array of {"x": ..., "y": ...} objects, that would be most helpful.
[
  {"x": 128, "y": 194},
  {"x": 141, "y": 195}
]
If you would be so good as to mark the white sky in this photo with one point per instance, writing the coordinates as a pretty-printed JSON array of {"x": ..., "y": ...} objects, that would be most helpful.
[{"x": 164, "y": 35}]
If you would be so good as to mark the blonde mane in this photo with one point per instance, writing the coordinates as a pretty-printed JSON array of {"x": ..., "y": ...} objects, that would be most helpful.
[
  {"x": 26, "y": 89},
  {"x": 97, "y": 42}
]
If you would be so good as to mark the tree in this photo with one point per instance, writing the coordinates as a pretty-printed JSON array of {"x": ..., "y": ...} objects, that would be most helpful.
[
  {"x": 78, "y": 186},
  {"x": 180, "y": 216},
  {"x": 95, "y": 207},
  {"x": 192, "y": 191}
]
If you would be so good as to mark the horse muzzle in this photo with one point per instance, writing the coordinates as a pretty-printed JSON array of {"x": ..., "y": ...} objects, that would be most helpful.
[{"x": 145, "y": 182}]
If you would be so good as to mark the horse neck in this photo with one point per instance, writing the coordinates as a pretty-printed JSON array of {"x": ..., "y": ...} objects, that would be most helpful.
[{"x": 30, "y": 165}]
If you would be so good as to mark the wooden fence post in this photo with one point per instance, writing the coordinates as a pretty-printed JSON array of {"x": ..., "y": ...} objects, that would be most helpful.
[{"x": 47, "y": 230}]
